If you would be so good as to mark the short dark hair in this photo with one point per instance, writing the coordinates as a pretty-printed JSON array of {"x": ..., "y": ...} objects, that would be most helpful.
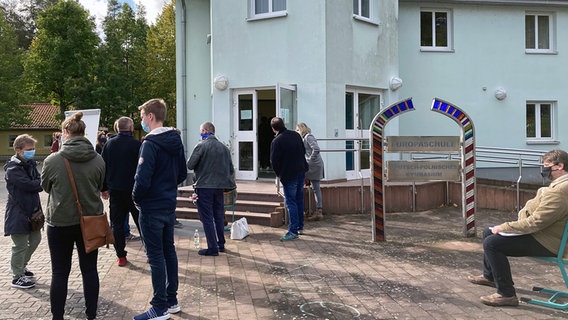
[
  {"x": 155, "y": 106},
  {"x": 277, "y": 124},
  {"x": 556, "y": 156}
]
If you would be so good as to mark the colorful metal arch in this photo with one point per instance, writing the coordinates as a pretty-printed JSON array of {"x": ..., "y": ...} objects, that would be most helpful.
[
  {"x": 467, "y": 160},
  {"x": 377, "y": 127}
]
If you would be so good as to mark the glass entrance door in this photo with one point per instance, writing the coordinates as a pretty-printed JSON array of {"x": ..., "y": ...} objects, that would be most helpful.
[
  {"x": 286, "y": 105},
  {"x": 246, "y": 155}
]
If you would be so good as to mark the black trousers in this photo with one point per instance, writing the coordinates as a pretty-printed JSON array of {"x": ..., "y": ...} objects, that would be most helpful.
[
  {"x": 120, "y": 205},
  {"x": 61, "y": 241}
]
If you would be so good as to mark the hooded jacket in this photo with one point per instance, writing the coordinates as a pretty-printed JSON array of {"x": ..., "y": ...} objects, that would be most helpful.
[
  {"x": 88, "y": 170},
  {"x": 23, "y": 184},
  {"x": 161, "y": 167}
]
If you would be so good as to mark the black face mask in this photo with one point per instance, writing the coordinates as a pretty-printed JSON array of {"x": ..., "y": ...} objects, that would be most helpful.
[{"x": 546, "y": 172}]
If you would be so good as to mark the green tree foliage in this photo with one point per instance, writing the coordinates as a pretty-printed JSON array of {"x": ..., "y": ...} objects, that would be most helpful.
[
  {"x": 161, "y": 60},
  {"x": 121, "y": 65},
  {"x": 10, "y": 73},
  {"x": 59, "y": 65},
  {"x": 22, "y": 15}
]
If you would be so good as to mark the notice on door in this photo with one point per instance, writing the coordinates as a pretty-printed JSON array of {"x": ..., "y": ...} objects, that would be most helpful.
[{"x": 423, "y": 171}]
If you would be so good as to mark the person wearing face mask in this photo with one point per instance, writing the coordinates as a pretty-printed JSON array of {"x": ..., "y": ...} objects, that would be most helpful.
[
  {"x": 537, "y": 232},
  {"x": 101, "y": 141},
  {"x": 23, "y": 184},
  {"x": 211, "y": 161}
]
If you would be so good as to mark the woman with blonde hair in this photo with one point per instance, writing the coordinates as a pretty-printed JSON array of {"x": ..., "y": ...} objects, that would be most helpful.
[
  {"x": 62, "y": 216},
  {"x": 315, "y": 172}
]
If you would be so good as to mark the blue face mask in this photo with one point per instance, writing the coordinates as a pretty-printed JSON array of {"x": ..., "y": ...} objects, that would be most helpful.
[
  {"x": 29, "y": 154},
  {"x": 145, "y": 127},
  {"x": 205, "y": 135},
  {"x": 103, "y": 140}
]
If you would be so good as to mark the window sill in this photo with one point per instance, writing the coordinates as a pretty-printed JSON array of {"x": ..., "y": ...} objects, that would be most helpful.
[
  {"x": 366, "y": 20},
  {"x": 433, "y": 49},
  {"x": 545, "y": 52},
  {"x": 265, "y": 16},
  {"x": 542, "y": 142}
]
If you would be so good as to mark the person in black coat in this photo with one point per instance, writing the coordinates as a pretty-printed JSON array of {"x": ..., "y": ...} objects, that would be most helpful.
[
  {"x": 23, "y": 184},
  {"x": 288, "y": 161}
]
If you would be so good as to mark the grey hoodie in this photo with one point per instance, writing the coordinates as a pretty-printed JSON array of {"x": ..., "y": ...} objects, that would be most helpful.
[{"x": 89, "y": 173}]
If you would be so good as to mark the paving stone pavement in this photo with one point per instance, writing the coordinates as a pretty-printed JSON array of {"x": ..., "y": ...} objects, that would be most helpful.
[{"x": 333, "y": 271}]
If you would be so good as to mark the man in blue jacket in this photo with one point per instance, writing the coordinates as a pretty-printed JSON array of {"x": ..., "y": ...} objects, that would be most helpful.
[
  {"x": 288, "y": 161},
  {"x": 121, "y": 159},
  {"x": 161, "y": 168}
]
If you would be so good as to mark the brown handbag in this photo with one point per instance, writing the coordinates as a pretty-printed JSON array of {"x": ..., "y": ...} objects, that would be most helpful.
[{"x": 96, "y": 230}]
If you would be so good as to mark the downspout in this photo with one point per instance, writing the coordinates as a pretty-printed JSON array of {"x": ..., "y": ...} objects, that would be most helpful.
[{"x": 184, "y": 77}]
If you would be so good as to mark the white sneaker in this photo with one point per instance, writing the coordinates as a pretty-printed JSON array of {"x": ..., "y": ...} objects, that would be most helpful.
[{"x": 174, "y": 309}]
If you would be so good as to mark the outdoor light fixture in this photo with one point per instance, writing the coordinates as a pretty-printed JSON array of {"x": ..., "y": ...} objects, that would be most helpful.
[
  {"x": 221, "y": 82},
  {"x": 395, "y": 83},
  {"x": 500, "y": 94}
]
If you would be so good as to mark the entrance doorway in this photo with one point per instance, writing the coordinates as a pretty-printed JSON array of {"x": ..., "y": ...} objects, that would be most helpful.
[{"x": 253, "y": 109}]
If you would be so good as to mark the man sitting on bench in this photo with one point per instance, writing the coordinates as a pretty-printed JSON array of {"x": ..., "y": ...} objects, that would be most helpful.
[{"x": 537, "y": 232}]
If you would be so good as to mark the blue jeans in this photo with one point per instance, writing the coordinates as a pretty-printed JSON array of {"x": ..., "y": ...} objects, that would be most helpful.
[
  {"x": 317, "y": 193},
  {"x": 157, "y": 229},
  {"x": 497, "y": 248},
  {"x": 61, "y": 241},
  {"x": 211, "y": 208},
  {"x": 294, "y": 198}
]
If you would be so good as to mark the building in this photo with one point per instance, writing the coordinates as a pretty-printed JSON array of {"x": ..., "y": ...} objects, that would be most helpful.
[
  {"x": 41, "y": 125},
  {"x": 334, "y": 64}
]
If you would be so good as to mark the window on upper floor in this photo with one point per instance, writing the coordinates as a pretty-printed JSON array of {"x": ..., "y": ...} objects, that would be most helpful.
[
  {"x": 541, "y": 119},
  {"x": 435, "y": 30},
  {"x": 364, "y": 10},
  {"x": 539, "y": 33},
  {"x": 260, "y": 9}
]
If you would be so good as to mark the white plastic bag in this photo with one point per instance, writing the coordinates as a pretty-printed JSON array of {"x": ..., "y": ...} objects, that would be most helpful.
[{"x": 240, "y": 229}]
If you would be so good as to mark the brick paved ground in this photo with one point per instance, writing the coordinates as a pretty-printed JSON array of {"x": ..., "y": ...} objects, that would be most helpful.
[{"x": 332, "y": 272}]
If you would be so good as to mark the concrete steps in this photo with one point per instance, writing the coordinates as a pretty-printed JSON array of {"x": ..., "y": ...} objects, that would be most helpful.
[{"x": 258, "y": 205}]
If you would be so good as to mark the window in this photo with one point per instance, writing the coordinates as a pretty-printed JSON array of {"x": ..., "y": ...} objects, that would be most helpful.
[
  {"x": 538, "y": 32},
  {"x": 360, "y": 109},
  {"x": 47, "y": 141},
  {"x": 435, "y": 30},
  {"x": 11, "y": 139},
  {"x": 362, "y": 8},
  {"x": 540, "y": 121},
  {"x": 261, "y": 9}
]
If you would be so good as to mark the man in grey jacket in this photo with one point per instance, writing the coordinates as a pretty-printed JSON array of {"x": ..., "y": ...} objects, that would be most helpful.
[{"x": 211, "y": 161}]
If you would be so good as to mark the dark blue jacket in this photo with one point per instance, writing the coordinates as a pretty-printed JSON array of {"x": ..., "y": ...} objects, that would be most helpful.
[
  {"x": 287, "y": 155},
  {"x": 161, "y": 168},
  {"x": 121, "y": 158},
  {"x": 23, "y": 184}
]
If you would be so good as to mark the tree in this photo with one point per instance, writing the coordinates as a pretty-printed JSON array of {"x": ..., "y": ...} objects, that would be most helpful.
[
  {"x": 61, "y": 58},
  {"x": 161, "y": 60},
  {"x": 121, "y": 67},
  {"x": 22, "y": 15},
  {"x": 10, "y": 73}
]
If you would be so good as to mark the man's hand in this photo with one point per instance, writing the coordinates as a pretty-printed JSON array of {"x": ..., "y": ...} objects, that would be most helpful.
[
  {"x": 105, "y": 195},
  {"x": 496, "y": 229},
  {"x": 307, "y": 182}
]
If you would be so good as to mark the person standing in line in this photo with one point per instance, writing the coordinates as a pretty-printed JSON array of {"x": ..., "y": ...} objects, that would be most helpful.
[
  {"x": 539, "y": 228},
  {"x": 288, "y": 161},
  {"x": 101, "y": 141},
  {"x": 315, "y": 171},
  {"x": 63, "y": 218},
  {"x": 211, "y": 161},
  {"x": 56, "y": 144},
  {"x": 161, "y": 168},
  {"x": 121, "y": 158},
  {"x": 23, "y": 184}
]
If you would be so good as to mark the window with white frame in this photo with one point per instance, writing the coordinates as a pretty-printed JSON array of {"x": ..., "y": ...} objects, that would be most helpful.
[
  {"x": 267, "y": 8},
  {"x": 362, "y": 8},
  {"x": 540, "y": 117},
  {"x": 435, "y": 29},
  {"x": 539, "y": 32}
]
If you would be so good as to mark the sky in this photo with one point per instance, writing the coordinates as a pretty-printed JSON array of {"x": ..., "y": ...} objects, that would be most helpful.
[{"x": 98, "y": 8}]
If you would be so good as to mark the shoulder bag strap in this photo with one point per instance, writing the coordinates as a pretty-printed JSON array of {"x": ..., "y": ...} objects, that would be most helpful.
[{"x": 70, "y": 173}]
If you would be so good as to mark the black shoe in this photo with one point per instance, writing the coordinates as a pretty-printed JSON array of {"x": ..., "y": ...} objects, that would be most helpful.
[
  {"x": 23, "y": 282},
  {"x": 221, "y": 249},
  {"x": 207, "y": 252}
]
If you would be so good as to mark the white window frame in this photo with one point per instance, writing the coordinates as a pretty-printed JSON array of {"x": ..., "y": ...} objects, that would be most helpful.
[
  {"x": 266, "y": 15},
  {"x": 551, "y": 33},
  {"x": 357, "y": 15},
  {"x": 538, "y": 139},
  {"x": 449, "y": 35}
]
